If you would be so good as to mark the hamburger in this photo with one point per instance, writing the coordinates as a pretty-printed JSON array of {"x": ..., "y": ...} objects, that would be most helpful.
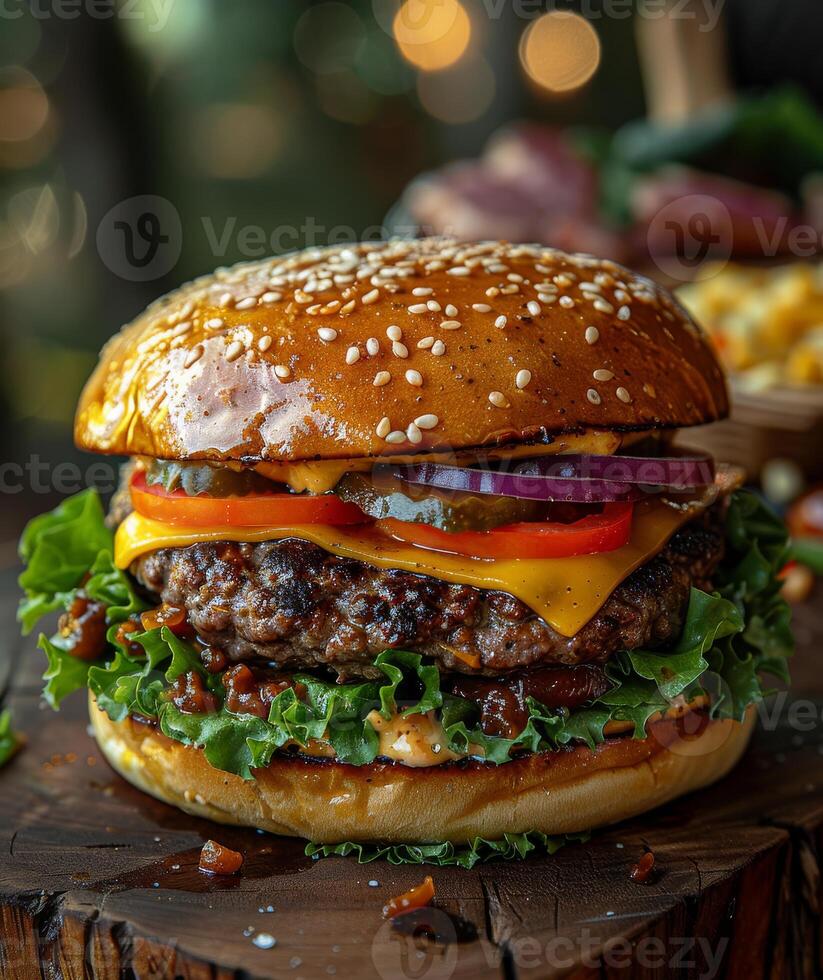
[{"x": 404, "y": 557}]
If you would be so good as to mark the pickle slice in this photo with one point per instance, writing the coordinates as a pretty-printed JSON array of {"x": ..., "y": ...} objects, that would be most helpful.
[
  {"x": 381, "y": 495},
  {"x": 200, "y": 477}
]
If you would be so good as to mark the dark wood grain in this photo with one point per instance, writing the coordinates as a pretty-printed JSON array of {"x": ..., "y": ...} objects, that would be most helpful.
[{"x": 98, "y": 880}]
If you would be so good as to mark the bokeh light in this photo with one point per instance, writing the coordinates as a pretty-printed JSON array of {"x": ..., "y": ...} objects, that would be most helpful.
[
  {"x": 560, "y": 51},
  {"x": 235, "y": 140},
  {"x": 460, "y": 94},
  {"x": 346, "y": 97},
  {"x": 26, "y": 125},
  {"x": 328, "y": 38},
  {"x": 432, "y": 35}
]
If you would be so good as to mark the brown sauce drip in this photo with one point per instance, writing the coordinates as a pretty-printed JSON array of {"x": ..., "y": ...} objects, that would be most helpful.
[
  {"x": 83, "y": 627},
  {"x": 502, "y": 701},
  {"x": 251, "y": 693},
  {"x": 190, "y": 695}
]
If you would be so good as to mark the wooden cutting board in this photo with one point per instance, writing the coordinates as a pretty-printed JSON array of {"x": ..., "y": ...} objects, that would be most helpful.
[{"x": 98, "y": 880}]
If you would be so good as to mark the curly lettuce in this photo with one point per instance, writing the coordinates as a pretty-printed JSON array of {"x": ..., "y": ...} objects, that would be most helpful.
[{"x": 511, "y": 847}]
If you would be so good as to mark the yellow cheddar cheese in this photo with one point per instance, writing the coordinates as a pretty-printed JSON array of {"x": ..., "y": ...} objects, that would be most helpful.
[{"x": 565, "y": 592}]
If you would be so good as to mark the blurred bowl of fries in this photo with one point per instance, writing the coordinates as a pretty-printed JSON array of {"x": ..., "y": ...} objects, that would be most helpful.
[{"x": 767, "y": 325}]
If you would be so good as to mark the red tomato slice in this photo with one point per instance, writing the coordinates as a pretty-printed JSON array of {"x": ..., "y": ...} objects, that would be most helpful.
[
  {"x": 592, "y": 534},
  {"x": 253, "y": 510}
]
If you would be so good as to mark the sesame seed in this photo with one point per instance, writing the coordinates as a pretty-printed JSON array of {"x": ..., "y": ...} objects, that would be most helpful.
[
  {"x": 282, "y": 371},
  {"x": 215, "y": 323},
  {"x": 623, "y": 395},
  {"x": 438, "y": 348},
  {"x": 234, "y": 350},
  {"x": 422, "y": 291},
  {"x": 264, "y": 343},
  {"x": 522, "y": 378},
  {"x": 224, "y": 299},
  {"x": 547, "y": 298},
  {"x": 413, "y": 434},
  {"x": 418, "y": 308},
  {"x": 562, "y": 280},
  {"x": 589, "y": 287},
  {"x": 396, "y": 436},
  {"x": 533, "y": 307},
  {"x": 433, "y": 305},
  {"x": 352, "y": 355},
  {"x": 327, "y": 334},
  {"x": 414, "y": 378},
  {"x": 492, "y": 291},
  {"x": 394, "y": 332},
  {"x": 592, "y": 335},
  {"x": 514, "y": 277},
  {"x": 450, "y": 325},
  {"x": 381, "y": 378},
  {"x": 481, "y": 307},
  {"x": 451, "y": 310},
  {"x": 246, "y": 304},
  {"x": 498, "y": 399},
  {"x": 501, "y": 321},
  {"x": 458, "y": 270},
  {"x": 427, "y": 421},
  {"x": 348, "y": 307},
  {"x": 383, "y": 427},
  {"x": 593, "y": 396},
  {"x": 511, "y": 288},
  {"x": 624, "y": 313},
  {"x": 371, "y": 297},
  {"x": 399, "y": 350},
  {"x": 193, "y": 355},
  {"x": 566, "y": 301},
  {"x": 271, "y": 297},
  {"x": 425, "y": 343},
  {"x": 603, "y": 305},
  {"x": 373, "y": 346},
  {"x": 181, "y": 328},
  {"x": 601, "y": 374}
]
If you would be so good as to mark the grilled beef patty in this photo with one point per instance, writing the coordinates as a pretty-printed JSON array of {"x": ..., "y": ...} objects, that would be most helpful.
[{"x": 292, "y": 604}]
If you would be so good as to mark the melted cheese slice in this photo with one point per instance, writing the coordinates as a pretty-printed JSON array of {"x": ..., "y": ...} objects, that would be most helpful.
[{"x": 565, "y": 592}]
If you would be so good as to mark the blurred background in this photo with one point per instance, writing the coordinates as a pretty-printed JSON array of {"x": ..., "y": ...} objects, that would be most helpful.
[{"x": 144, "y": 142}]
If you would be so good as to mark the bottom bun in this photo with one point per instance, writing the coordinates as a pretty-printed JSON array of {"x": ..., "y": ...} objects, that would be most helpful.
[{"x": 561, "y": 792}]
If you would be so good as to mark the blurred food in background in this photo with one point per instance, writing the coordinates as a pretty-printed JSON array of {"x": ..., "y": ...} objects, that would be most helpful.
[
  {"x": 805, "y": 522},
  {"x": 766, "y": 322},
  {"x": 758, "y": 159}
]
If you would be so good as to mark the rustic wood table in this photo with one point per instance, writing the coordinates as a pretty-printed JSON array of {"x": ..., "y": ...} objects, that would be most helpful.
[{"x": 98, "y": 880}]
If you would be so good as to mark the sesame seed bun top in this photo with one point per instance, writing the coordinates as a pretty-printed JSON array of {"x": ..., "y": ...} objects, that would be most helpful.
[{"x": 398, "y": 347}]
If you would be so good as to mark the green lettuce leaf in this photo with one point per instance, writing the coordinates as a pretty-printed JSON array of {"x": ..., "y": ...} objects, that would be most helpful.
[
  {"x": 62, "y": 549},
  {"x": 59, "y": 549},
  {"x": 512, "y": 847},
  {"x": 64, "y": 674},
  {"x": 9, "y": 742}
]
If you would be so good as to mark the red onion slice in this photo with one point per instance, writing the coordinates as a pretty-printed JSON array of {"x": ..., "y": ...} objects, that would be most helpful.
[
  {"x": 671, "y": 472},
  {"x": 576, "y": 478}
]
